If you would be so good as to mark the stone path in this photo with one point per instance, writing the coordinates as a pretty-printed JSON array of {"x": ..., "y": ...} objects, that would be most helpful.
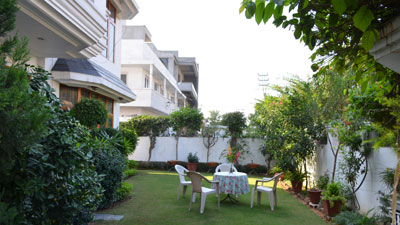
[{"x": 98, "y": 216}]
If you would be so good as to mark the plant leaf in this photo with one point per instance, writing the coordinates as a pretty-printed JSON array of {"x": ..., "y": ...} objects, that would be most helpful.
[
  {"x": 339, "y": 6},
  {"x": 268, "y": 11},
  {"x": 260, "y": 11},
  {"x": 363, "y": 18},
  {"x": 278, "y": 12},
  {"x": 368, "y": 40},
  {"x": 250, "y": 10}
]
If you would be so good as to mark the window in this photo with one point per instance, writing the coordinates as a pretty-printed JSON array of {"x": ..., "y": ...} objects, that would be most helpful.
[
  {"x": 123, "y": 78},
  {"x": 165, "y": 62},
  {"x": 72, "y": 95},
  {"x": 109, "y": 51},
  {"x": 146, "y": 82}
]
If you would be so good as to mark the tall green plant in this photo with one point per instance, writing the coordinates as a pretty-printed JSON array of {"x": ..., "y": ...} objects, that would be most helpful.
[
  {"x": 90, "y": 112},
  {"x": 209, "y": 131},
  {"x": 185, "y": 122},
  {"x": 235, "y": 123},
  {"x": 146, "y": 125}
]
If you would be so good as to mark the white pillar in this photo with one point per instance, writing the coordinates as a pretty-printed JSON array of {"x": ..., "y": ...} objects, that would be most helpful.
[
  {"x": 151, "y": 85},
  {"x": 184, "y": 103},
  {"x": 165, "y": 88},
  {"x": 176, "y": 96}
]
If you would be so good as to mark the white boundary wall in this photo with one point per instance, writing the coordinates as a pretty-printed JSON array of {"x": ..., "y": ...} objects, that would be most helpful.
[
  {"x": 378, "y": 162},
  {"x": 165, "y": 150}
]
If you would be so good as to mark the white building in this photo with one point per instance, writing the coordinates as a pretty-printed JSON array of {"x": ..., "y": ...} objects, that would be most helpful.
[
  {"x": 79, "y": 43},
  {"x": 162, "y": 81}
]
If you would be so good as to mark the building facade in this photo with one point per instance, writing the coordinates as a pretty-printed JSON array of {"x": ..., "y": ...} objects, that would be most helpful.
[
  {"x": 79, "y": 43},
  {"x": 162, "y": 81}
]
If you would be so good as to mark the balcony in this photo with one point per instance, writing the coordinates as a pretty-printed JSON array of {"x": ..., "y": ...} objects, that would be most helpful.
[
  {"x": 152, "y": 100},
  {"x": 62, "y": 29}
]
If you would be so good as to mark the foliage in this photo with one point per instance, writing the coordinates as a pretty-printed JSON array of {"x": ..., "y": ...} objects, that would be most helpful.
[
  {"x": 322, "y": 182},
  {"x": 129, "y": 172},
  {"x": 333, "y": 193},
  {"x": 132, "y": 164},
  {"x": 235, "y": 123},
  {"x": 296, "y": 176},
  {"x": 209, "y": 131},
  {"x": 131, "y": 136},
  {"x": 186, "y": 121},
  {"x": 9, "y": 215},
  {"x": 290, "y": 124},
  {"x": 90, "y": 112},
  {"x": 124, "y": 191},
  {"x": 342, "y": 32},
  {"x": 146, "y": 125},
  {"x": 110, "y": 164},
  {"x": 115, "y": 138},
  {"x": 193, "y": 158},
  {"x": 353, "y": 218}
]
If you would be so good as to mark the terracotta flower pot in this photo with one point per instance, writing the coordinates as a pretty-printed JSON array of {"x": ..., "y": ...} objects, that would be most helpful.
[
  {"x": 212, "y": 164},
  {"x": 297, "y": 186},
  {"x": 172, "y": 162},
  {"x": 315, "y": 196},
  {"x": 281, "y": 177},
  {"x": 253, "y": 165},
  {"x": 332, "y": 211},
  {"x": 192, "y": 166}
]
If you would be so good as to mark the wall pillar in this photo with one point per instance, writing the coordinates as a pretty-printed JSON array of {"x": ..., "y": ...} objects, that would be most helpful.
[
  {"x": 151, "y": 85},
  {"x": 165, "y": 88},
  {"x": 176, "y": 96}
]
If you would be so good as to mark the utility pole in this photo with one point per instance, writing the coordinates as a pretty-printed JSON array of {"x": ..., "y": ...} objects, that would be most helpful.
[{"x": 263, "y": 82}]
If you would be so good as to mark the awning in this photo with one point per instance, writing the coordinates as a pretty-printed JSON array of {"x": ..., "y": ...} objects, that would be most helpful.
[{"x": 84, "y": 73}]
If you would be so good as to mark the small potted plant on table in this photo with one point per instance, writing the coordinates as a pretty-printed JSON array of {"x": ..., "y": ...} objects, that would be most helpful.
[
  {"x": 193, "y": 161},
  {"x": 315, "y": 192},
  {"x": 332, "y": 199}
]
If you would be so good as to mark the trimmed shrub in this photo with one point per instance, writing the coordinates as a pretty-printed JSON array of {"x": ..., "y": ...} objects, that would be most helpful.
[
  {"x": 90, "y": 112},
  {"x": 130, "y": 172},
  {"x": 186, "y": 121},
  {"x": 110, "y": 164},
  {"x": 132, "y": 164},
  {"x": 124, "y": 191}
]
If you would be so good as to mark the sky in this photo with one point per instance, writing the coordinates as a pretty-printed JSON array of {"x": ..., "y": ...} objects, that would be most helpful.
[{"x": 231, "y": 50}]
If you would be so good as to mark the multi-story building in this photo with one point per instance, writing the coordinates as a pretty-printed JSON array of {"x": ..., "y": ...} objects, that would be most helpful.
[
  {"x": 162, "y": 81},
  {"x": 79, "y": 42}
]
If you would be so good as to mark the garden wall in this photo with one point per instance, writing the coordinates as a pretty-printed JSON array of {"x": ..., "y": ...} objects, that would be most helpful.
[
  {"x": 378, "y": 162},
  {"x": 165, "y": 150}
]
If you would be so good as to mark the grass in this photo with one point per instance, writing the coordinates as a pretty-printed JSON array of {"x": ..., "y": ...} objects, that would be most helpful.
[{"x": 154, "y": 202}]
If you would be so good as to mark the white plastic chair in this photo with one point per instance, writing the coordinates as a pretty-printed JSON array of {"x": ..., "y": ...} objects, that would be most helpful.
[
  {"x": 270, "y": 191},
  {"x": 224, "y": 167},
  {"x": 182, "y": 182},
  {"x": 196, "y": 179}
]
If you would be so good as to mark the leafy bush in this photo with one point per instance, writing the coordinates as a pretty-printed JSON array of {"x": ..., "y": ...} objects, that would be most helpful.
[
  {"x": 132, "y": 164},
  {"x": 116, "y": 138},
  {"x": 354, "y": 218},
  {"x": 235, "y": 121},
  {"x": 322, "y": 182},
  {"x": 124, "y": 190},
  {"x": 130, "y": 172},
  {"x": 333, "y": 193},
  {"x": 110, "y": 164},
  {"x": 186, "y": 121},
  {"x": 90, "y": 112},
  {"x": 131, "y": 136},
  {"x": 193, "y": 158}
]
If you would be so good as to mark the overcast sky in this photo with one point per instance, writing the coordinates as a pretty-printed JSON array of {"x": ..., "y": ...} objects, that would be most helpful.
[{"x": 230, "y": 49}]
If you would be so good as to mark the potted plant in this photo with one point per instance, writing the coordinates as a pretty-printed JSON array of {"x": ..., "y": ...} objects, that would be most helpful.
[
  {"x": 296, "y": 178},
  {"x": 253, "y": 165},
  {"x": 193, "y": 161},
  {"x": 315, "y": 192},
  {"x": 276, "y": 170},
  {"x": 332, "y": 199}
]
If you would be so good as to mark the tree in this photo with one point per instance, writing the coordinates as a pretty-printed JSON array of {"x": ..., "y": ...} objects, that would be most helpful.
[
  {"x": 209, "y": 131},
  {"x": 342, "y": 33},
  {"x": 185, "y": 122},
  {"x": 146, "y": 125},
  {"x": 235, "y": 123}
]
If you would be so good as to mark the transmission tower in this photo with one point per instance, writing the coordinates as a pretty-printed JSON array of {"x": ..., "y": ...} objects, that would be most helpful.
[{"x": 263, "y": 82}]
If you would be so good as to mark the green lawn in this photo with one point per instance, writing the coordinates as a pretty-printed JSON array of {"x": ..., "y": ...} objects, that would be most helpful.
[{"x": 154, "y": 202}]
